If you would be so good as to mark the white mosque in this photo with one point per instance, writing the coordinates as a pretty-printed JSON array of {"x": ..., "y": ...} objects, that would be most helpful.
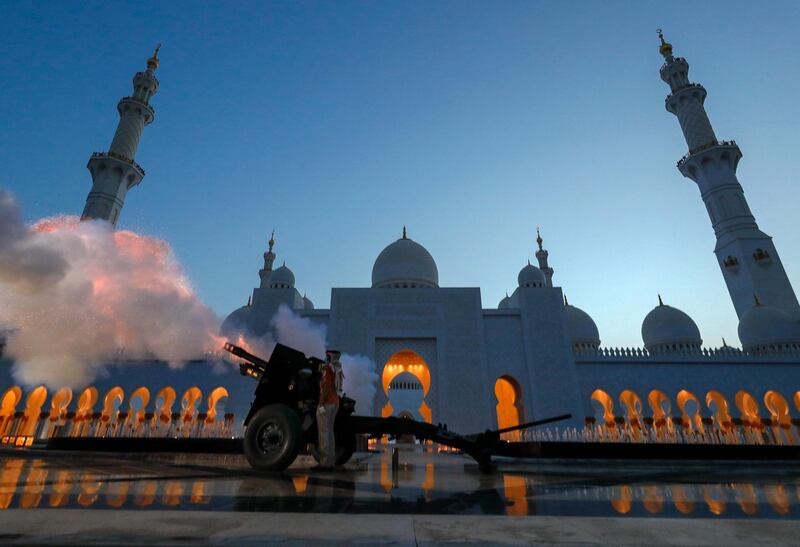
[{"x": 442, "y": 356}]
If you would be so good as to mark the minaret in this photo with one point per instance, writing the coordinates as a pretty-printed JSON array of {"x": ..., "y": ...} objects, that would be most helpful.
[
  {"x": 541, "y": 256},
  {"x": 269, "y": 258},
  {"x": 749, "y": 261},
  {"x": 115, "y": 172}
]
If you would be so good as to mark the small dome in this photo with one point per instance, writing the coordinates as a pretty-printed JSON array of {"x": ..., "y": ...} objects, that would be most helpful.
[
  {"x": 237, "y": 322},
  {"x": 307, "y": 303},
  {"x": 667, "y": 329},
  {"x": 281, "y": 278},
  {"x": 582, "y": 328},
  {"x": 504, "y": 303},
  {"x": 531, "y": 276},
  {"x": 766, "y": 328},
  {"x": 405, "y": 264}
]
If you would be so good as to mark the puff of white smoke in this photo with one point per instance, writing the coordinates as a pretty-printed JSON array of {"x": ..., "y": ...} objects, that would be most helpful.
[
  {"x": 26, "y": 263},
  {"x": 360, "y": 376},
  {"x": 76, "y": 291},
  {"x": 299, "y": 332},
  {"x": 360, "y": 382}
]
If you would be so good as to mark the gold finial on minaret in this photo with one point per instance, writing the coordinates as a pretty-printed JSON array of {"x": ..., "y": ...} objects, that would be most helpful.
[
  {"x": 271, "y": 241},
  {"x": 153, "y": 62},
  {"x": 665, "y": 48},
  {"x": 539, "y": 239}
]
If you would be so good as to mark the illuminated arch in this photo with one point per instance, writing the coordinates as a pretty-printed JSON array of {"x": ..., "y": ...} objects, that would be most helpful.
[
  {"x": 8, "y": 406},
  {"x": 606, "y": 404},
  {"x": 749, "y": 414},
  {"x": 721, "y": 415},
  {"x": 166, "y": 397},
  {"x": 59, "y": 403},
  {"x": 406, "y": 361},
  {"x": 748, "y": 408},
  {"x": 412, "y": 363},
  {"x": 189, "y": 406},
  {"x": 778, "y": 408},
  {"x": 690, "y": 410},
  {"x": 111, "y": 402},
  {"x": 509, "y": 405},
  {"x": 136, "y": 413},
  {"x": 214, "y": 398},
  {"x": 661, "y": 408},
  {"x": 33, "y": 408},
  {"x": 633, "y": 404},
  {"x": 58, "y": 409},
  {"x": 83, "y": 415}
]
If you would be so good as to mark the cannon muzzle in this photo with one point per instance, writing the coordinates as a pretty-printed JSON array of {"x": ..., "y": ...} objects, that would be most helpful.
[{"x": 255, "y": 366}]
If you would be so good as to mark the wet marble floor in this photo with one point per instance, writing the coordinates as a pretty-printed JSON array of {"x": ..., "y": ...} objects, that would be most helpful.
[{"x": 423, "y": 483}]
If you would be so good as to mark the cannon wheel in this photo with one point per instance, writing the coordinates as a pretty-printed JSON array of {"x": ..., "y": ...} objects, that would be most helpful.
[
  {"x": 273, "y": 438},
  {"x": 345, "y": 446}
]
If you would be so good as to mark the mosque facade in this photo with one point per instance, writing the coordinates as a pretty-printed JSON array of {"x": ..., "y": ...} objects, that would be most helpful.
[{"x": 444, "y": 357}]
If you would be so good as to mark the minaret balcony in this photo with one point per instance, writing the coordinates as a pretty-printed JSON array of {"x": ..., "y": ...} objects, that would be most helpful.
[
  {"x": 118, "y": 157},
  {"x": 683, "y": 88},
  {"x": 693, "y": 162},
  {"x": 683, "y": 93},
  {"x": 148, "y": 111}
]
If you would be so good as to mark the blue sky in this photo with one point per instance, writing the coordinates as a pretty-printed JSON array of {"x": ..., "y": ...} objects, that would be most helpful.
[{"x": 337, "y": 123}]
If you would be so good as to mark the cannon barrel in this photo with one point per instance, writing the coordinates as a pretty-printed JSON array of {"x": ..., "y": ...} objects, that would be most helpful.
[
  {"x": 255, "y": 367},
  {"x": 534, "y": 423}
]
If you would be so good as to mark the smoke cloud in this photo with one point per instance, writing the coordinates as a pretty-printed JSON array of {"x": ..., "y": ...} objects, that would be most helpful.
[{"x": 75, "y": 292}]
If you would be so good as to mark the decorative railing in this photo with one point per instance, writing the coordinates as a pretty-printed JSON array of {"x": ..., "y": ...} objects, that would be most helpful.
[
  {"x": 702, "y": 147},
  {"x": 118, "y": 157},
  {"x": 641, "y": 354},
  {"x": 687, "y": 86},
  {"x": 140, "y": 102}
]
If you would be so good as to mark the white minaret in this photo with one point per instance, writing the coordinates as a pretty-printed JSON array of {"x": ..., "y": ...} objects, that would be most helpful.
[
  {"x": 749, "y": 261},
  {"x": 115, "y": 172},
  {"x": 269, "y": 258},
  {"x": 541, "y": 256}
]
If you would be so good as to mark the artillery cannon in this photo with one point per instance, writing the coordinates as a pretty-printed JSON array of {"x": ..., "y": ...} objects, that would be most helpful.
[{"x": 282, "y": 417}]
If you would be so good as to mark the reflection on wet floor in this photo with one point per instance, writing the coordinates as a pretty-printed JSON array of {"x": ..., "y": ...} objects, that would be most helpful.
[{"x": 423, "y": 483}]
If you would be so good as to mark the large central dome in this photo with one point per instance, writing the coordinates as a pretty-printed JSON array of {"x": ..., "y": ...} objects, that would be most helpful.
[{"x": 405, "y": 264}]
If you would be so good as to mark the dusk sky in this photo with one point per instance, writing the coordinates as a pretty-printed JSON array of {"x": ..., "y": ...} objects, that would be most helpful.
[{"x": 471, "y": 123}]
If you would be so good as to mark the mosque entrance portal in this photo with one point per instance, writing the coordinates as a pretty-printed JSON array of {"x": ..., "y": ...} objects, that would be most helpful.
[
  {"x": 509, "y": 405},
  {"x": 406, "y": 381}
]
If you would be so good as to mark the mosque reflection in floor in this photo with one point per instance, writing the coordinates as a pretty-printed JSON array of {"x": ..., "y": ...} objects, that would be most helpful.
[{"x": 423, "y": 483}]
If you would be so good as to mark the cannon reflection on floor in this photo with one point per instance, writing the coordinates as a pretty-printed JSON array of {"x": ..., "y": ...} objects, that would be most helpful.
[{"x": 23, "y": 422}]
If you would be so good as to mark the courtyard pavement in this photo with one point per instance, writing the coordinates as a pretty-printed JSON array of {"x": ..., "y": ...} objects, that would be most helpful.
[{"x": 429, "y": 498}]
